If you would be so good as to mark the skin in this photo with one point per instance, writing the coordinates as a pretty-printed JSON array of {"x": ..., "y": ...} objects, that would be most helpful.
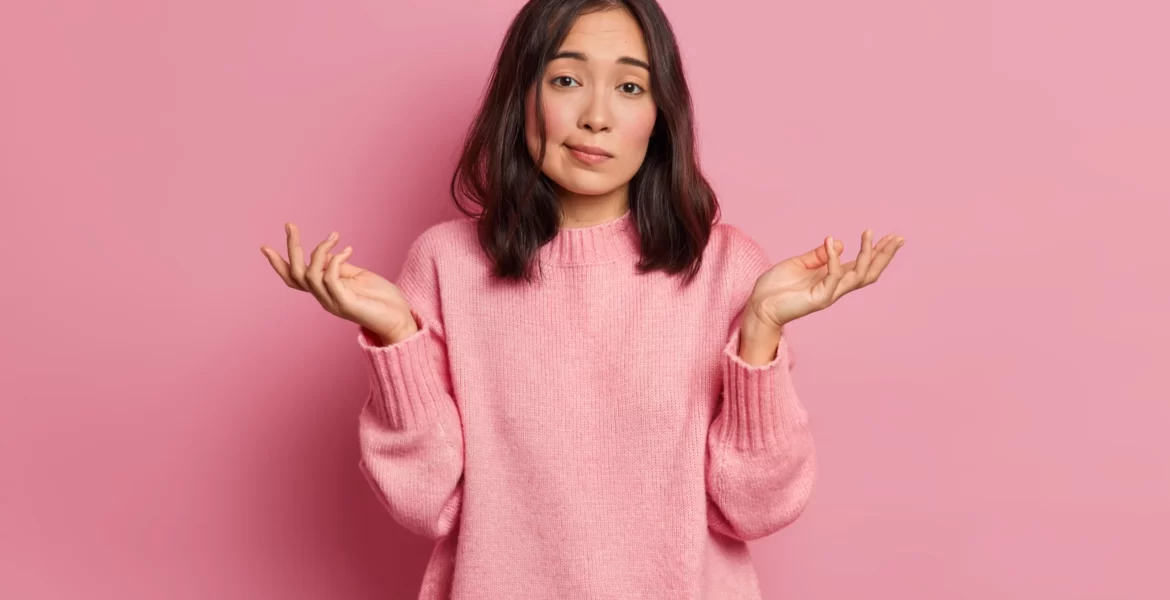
[
  {"x": 343, "y": 289},
  {"x": 595, "y": 97},
  {"x": 805, "y": 284}
]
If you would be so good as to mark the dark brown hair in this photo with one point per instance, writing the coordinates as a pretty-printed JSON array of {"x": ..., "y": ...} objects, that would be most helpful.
[{"x": 671, "y": 203}]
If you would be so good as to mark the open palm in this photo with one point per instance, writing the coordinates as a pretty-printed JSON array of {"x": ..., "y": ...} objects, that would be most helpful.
[
  {"x": 345, "y": 290},
  {"x": 816, "y": 279}
]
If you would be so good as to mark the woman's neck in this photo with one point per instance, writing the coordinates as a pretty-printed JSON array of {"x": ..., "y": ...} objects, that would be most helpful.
[{"x": 579, "y": 210}]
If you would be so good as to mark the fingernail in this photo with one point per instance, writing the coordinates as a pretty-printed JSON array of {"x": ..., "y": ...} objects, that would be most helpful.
[{"x": 333, "y": 235}]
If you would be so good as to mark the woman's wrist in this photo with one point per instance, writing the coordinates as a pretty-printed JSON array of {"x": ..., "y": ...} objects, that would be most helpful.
[
  {"x": 407, "y": 329},
  {"x": 758, "y": 341}
]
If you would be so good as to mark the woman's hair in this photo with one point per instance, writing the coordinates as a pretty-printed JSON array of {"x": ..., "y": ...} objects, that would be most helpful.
[{"x": 671, "y": 203}]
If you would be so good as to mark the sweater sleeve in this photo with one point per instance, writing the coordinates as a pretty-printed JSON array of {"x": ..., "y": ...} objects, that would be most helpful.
[
  {"x": 410, "y": 432},
  {"x": 761, "y": 463}
]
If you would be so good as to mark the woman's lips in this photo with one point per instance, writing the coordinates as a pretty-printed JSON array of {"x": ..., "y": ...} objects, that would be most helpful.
[{"x": 588, "y": 155}]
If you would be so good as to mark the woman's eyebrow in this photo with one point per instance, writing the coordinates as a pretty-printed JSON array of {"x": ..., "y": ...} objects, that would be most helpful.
[{"x": 624, "y": 60}]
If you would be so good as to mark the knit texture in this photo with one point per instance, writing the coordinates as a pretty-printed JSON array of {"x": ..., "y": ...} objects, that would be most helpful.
[{"x": 593, "y": 434}]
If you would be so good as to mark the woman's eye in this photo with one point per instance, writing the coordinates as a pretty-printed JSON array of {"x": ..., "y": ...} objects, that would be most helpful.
[
  {"x": 637, "y": 89},
  {"x": 557, "y": 81}
]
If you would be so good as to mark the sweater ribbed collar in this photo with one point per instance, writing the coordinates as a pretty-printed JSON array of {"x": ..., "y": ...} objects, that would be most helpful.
[{"x": 604, "y": 242}]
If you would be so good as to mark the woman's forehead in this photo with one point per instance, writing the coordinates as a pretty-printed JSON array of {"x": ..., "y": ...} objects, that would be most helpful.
[{"x": 606, "y": 35}]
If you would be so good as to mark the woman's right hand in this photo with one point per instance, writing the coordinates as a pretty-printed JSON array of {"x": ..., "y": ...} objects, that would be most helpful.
[{"x": 345, "y": 290}]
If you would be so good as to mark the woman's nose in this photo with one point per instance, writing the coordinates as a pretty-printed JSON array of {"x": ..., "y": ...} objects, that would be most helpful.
[{"x": 595, "y": 117}]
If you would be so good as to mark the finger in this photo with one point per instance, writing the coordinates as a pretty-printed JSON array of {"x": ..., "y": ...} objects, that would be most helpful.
[
  {"x": 349, "y": 270},
  {"x": 818, "y": 257},
  {"x": 883, "y": 258},
  {"x": 855, "y": 270},
  {"x": 856, "y": 277},
  {"x": 316, "y": 271},
  {"x": 296, "y": 258},
  {"x": 828, "y": 288},
  {"x": 278, "y": 263},
  {"x": 870, "y": 272},
  {"x": 865, "y": 255},
  {"x": 340, "y": 294},
  {"x": 822, "y": 272}
]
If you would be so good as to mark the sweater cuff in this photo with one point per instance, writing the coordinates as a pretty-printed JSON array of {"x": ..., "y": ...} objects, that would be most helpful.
[
  {"x": 761, "y": 407},
  {"x": 403, "y": 376}
]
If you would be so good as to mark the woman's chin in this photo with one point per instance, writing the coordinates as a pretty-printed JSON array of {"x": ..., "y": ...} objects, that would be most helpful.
[{"x": 588, "y": 188}]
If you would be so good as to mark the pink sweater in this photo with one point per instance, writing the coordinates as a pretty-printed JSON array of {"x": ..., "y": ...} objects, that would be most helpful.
[{"x": 592, "y": 435}]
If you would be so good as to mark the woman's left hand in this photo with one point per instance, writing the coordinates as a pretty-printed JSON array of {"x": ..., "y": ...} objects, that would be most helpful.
[{"x": 814, "y": 280}]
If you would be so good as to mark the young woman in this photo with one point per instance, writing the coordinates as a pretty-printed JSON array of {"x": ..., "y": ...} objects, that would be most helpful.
[{"x": 582, "y": 390}]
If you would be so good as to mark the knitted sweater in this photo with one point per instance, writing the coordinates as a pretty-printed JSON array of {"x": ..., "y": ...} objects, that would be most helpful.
[{"x": 590, "y": 435}]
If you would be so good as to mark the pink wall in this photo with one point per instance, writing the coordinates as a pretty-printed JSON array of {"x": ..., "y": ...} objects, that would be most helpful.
[{"x": 991, "y": 421}]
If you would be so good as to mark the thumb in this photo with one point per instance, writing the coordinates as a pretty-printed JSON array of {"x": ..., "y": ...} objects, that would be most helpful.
[
  {"x": 345, "y": 269},
  {"x": 348, "y": 270}
]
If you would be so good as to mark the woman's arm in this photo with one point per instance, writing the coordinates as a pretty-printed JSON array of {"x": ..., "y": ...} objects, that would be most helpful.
[
  {"x": 410, "y": 430},
  {"x": 761, "y": 462}
]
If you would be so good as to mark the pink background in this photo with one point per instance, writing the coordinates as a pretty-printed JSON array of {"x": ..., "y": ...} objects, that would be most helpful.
[{"x": 991, "y": 416}]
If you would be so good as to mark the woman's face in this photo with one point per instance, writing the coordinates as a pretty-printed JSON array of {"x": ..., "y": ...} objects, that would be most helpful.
[{"x": 598, "y": 107}]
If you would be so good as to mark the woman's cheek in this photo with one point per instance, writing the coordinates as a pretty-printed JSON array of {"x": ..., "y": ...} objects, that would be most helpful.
[
  {"x": 554, "y": 124},
  {"x": 639, "y": 127},
  {"x": 644, "y": 124},
  {"x": 555, "y": 117}
]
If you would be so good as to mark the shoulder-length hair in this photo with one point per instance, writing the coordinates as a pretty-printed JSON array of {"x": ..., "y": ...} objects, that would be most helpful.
[{"x": 672, "y": 205}]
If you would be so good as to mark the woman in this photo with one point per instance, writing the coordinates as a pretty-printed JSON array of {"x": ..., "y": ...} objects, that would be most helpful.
[{"x": 582, "y": 390}]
